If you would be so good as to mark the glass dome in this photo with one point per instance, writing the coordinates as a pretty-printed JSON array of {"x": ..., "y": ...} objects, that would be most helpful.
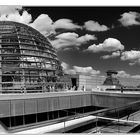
[{"x": 28, "y": 61}]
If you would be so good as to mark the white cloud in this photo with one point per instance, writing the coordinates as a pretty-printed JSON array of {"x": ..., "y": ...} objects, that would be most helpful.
[
  {"x": 64, "y": 65},
  {"x": 131, "y": 63},
  {"x": 133, "y": 56},
  {"x": 130, "y": 55},
  {"x": 72, "y": 40},
  {"x": 135, "y": 76},
  {"x": 123, "y": 74},
  {"x": 43, "y": 23},
  {"x": 86, "y": 38},
  {"x": 126, "y": 75},
  {"x": 67, "y": 36},
  {"x": 5, "y": 10},
  {"x": 77, "y": 69},
  {"x": 94, "y": 26},
  {"x": 11, "y": 13},
  {"x": 130, "y": 18},
  {"x": 65, "y": 24},
  {"x": 109, "y": 45},
  {"x": 47, "y": 26},
  {"x": 86, "y": 70},
  {"x": 67, "y": 69},
  {"x": 25, "y": 18},
  {"x": 113, "y": 55}
]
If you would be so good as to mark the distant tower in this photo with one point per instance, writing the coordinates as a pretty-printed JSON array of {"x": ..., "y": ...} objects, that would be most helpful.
[{"x": 111, "y": 78}]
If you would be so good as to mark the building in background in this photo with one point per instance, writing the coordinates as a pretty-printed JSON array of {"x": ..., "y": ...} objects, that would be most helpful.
[
  {"x": 94, "y": 82},
  {"x": 28, "y": 62},
  {"x": 112, "y": 79}
]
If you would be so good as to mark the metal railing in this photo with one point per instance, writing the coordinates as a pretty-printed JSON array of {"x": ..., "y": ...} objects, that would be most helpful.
[{"x": 117, "y": 117}]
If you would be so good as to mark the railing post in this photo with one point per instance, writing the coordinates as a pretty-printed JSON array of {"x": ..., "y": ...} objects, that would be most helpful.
[
  {"x": 64, "y": 126},
  {"x": 96, "y": 123},
  {"x": 118, "y": 121},
  {"x": 24, "y": 112},
  {"x": 10, "y": 123},
  {"x": 132, "y": 115},
  {"x": 36, "y": 111}
]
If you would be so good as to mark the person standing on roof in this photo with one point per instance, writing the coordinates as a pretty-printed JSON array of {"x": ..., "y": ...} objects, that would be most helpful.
[{"x": 121, "y": 89}]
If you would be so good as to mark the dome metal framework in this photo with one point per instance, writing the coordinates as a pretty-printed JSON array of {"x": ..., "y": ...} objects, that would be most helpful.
[{"x": 28, "y": 62}]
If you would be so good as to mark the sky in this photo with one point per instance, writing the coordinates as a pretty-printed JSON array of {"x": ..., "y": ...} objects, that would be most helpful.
[{"x": 89, "y": 40}]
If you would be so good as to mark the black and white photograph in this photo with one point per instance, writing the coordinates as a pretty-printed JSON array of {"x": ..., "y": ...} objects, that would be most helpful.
[{"x": 69, "y": 69}]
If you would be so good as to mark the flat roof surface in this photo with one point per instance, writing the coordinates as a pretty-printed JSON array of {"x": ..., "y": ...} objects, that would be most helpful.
[{"x": 69, "y": 93}]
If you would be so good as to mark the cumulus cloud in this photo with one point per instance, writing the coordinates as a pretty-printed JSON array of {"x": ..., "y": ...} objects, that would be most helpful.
[
  {"x": 86, "y": 38},
  {"x": 46, "y": 25},
  {"x": 130, "y": 18},
  {"x": 126, "y": 75},
  {"x": 11, "y": 13},
  {"x": 77, "y": 69},
  {"x": 65, "y": 66},
  {"x": 130, "y": 55},
  {"x": 133, "y": 56},
  {"x": 67, "y": 36},
  {"x": 43, "y": 23},
  {"x": 67, "y": 69},
  {"x": 113, "y": 55},
  {"x": 25, "y": 17},
  {"x": 123, "y": 74},
  {"x": 69, "y": 39},
  {"x": 65, "y": 24},
  {"x": 135, "y": 76},
  {"x": 5, "y": 10},
  {"x": 109, "y": 45},
  {"x": 86, "y": 70},
  {"x": 94, "y": 26}
]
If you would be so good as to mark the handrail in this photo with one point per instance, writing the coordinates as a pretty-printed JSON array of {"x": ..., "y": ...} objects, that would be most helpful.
[{"x": 78, "y": 115}]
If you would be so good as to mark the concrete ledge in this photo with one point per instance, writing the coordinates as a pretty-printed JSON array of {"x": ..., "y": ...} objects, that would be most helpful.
[{"x": 24, "y": 104}]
